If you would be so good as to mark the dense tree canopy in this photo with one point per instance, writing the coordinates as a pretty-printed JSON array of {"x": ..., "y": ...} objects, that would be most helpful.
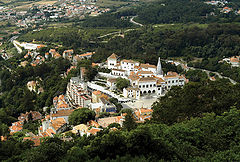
[
  {"x": 122, "y": 83},
  {"x": 81, "y": 116},
  {"x": 211, "y": 137},
  {"x": 194, "y": 99}
]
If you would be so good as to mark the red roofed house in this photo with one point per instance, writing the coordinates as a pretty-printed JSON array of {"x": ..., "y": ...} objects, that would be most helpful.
[
  {"x": 143, "y": 114},
  {"x": 67, "y": 54},
  {"x": 87, "y": 55}
]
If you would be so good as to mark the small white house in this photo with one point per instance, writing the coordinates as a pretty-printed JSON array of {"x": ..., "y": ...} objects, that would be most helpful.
[
  {"x": 112, "y": 61},
  {"x": 131, "y": 93}
]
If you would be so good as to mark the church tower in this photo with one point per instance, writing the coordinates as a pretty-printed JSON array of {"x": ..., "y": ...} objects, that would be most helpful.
[{"x": 159, "y": 67}]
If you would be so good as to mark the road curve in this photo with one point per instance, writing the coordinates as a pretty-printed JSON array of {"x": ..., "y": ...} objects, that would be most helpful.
[{"x": 134, "y": 22}]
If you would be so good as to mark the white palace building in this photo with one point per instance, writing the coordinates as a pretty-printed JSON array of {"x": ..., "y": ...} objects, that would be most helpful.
[{"x": 144, "y": 78}]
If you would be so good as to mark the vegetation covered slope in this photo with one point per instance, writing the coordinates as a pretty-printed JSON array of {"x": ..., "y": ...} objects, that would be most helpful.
[{"x": 208, "y": 138}]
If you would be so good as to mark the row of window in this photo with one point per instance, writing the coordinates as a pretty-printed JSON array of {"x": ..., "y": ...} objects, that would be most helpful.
[
  {"x": 176, "y": 81},
  {"x": 120, "y": 74},
  {"x": 128, "y": 63},
  {"x": 151, "y": 85}
]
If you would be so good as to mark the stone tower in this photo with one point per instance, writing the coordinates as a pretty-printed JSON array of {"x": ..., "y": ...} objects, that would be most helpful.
[{"x": 159, "y": 67}]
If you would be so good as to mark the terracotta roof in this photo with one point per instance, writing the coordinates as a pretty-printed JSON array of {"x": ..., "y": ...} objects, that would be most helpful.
[
  {"x": 94, "y": 131},
  {"x": 57, "y": 55},
  {"x": 44, "y": 134},
  {"x": 80, "y": 127},
  {"x": 86, "y": 54},
  {"x": 35, "y": 139},
  {"x": 94, "y": 64},
  {"x": 62, "y": 113},
  {"x": 93, "y": 123},
  {"x": 133, "y": 77},
  {"x": 57, "y": 123},
  {"x": 159, "y": 80},
  {"x": 15, "y": 128},
  {"x": 146, "y": 66},
  {"x": 52, "y": 50},
  {"x": 104, "y": 122},
  {"x": 144, "y": 72},
  {"x": 146, "y": 110},
  {"x": 234, "y": 59},
  {"x": 113, "y": 56},
  {"x": 66, "y": 51},
  {"x": 129, "y": 61},
  {"x": 171, "y": 74},
  {"x": 97, "y": 92},
  {"x": 147, "y": 79}
]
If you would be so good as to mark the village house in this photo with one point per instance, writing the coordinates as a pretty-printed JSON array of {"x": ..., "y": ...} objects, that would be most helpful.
[
  {"x": 67, "y": 54},
  {"x": 100, "y": 103},
  {"x": 105, "y": 122},
  {"x": 18, "y": 125},
  {"x": 112, "y": 61},
  {"x": 142, "y": 114},
  {"x": 84, "y": 129},
  {"x": 233, "y": 61},
  {"x": 131, "y": 93},
  {"x": 35, "y": 139},
  {"x": 54, "y": 53},
  {"x": 35, "y": 115},
  {"x": 87, "y": 55},
  {"x": 51, "y": 127},
  {"x": 111, "y": 82},
  {"x": 34, "y": 86}
]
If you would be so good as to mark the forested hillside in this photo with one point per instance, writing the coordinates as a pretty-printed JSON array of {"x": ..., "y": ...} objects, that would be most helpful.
[{"x": 209, "y": 138}]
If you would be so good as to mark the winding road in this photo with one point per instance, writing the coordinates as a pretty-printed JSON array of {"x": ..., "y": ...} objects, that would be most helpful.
[
  {"x": 185, "y": 67},
  {"x": 134, "y": 22}
]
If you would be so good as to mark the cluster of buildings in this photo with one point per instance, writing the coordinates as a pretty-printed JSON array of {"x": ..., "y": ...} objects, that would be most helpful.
[
  {"x": 34, "y": 86},
  {"x": 40, "y": 13},
  {"x": 68, "y": 54},
  {"x": 217, "y": 3},
  {"x": 4, "y": 54},
  {"x": 37, "y": 58},
  {"x": 222, "y": 3},
  {"x": 233, "y": 61},
  {"x": 18, "y": 125},
  {"x": 144, "y": 78}
]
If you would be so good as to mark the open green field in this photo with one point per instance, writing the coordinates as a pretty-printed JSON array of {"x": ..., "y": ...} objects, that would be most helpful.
[
  {"x": 179, "y": 26},
  {"x": 110, "y": 3}
]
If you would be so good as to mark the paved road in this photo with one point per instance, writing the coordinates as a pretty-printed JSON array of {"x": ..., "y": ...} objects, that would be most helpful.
[
  {"x": 17, "y": 44},
  {"x": 109, "y": 34},
  {"x": 134, "y": 22}
]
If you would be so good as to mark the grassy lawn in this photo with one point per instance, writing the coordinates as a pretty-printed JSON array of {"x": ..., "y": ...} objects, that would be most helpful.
[{"x": 178, "y": 26}]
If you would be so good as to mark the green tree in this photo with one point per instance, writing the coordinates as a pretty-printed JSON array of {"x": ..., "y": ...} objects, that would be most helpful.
[
  {"x": 122, "y": 83},
  {"x": 129, "y": 122},
  {"x": 81, "y": 116}
]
